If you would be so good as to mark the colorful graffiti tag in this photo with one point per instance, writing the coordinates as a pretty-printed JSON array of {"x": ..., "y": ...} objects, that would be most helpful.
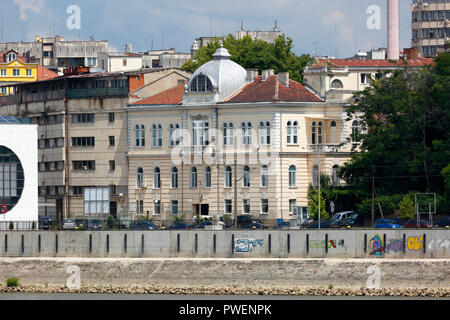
[
  {"x": 246, "y": 245},
  {"x": 394, "y": 246},
  {"x": 376, "y": 246},
  {"x": 415, "y": 243},
  {"x": 320, "y": 244}
]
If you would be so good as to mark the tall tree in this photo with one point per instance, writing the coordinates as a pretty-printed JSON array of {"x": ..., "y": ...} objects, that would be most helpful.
[{"x": 255, "y": 54}]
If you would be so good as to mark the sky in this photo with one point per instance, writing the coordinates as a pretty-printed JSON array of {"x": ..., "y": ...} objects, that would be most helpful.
[{"x": 318, "y": 27}]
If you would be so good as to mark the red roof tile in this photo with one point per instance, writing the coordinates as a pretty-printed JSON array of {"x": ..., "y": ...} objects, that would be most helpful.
[
  {"x": 267, "y": 91},
  {"x": 171, "y": 96},
  {"x": 420, "y": 62},
  {"x": 18, "y": 56},
  {"x": 45, "y": 74}
]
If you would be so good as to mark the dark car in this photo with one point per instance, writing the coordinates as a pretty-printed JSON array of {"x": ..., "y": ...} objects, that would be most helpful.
[
  {"x": 413, "y": 224},
  {"x": 443, "y": 223},
  {"x": 45, "y": 223},
  {"x": 179, "y": 226},
  {"x": 355, "y": 220},
  {"x": 325, "y": 224},
  {"x": 244, "y": 221},
  {"x": 386, "y": 224},
  {"x": 255, "y": 225},
  {"x": 203, "y": 224},
  {"x": 95, "y": 225},
  {"x": 143, "y": 225}
]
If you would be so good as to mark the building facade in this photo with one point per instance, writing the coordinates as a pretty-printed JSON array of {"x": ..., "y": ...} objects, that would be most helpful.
[{"x": 430, "y": 26}]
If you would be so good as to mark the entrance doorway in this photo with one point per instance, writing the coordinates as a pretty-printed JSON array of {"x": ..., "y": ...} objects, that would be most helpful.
[{"x": 201, "y": 209}]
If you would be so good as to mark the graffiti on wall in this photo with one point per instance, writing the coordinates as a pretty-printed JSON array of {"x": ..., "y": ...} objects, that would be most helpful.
[
  {"x": 247, "y": 245},
  {"x": 415, "y": 243},
  {"x": 376, "y": 246},
  {"x": 394, "y": 246},
  {"x": 320, "y": 244},
  {"x": 439, "y": 243}
]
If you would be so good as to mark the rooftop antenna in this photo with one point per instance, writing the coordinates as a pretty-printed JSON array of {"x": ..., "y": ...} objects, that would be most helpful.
[
  {"x": 162, "y": 38},
  {"x": 315, "y": 47},
  {"x": 152, "y": 43},
  {"x": 211, "y": 27},
  {"x": 242, "y": 25}
]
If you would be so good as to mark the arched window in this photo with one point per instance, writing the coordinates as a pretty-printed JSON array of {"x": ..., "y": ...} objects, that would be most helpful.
[
  {"x": 317, "y": 132},
  {"x": 207, "y": 178},
  {"x": 337, "y": 84},
  {"x": 264, "y": 133},
  {"x": 228, "y": 134},
  {"x": 333, "y": 132},
  {"x": 194, "y": 181},
  {"x": 355, "y": 131},
  {"x": 264, "y": 176},
  {"x": 292, "y": 132},
  {"x": 246, "y": 133},
  {"x": 174, "y": 132},
  {"x": 157, "y": 135},
  {"x": 157, "y": 178},
  {"x": 246, "y": 177},
  {"x": 315, "y": 176},
  {"x": 228, "y": 177},
  {"x": 334, "y": 177},
  {"x": 292, "y": 176},
  {"x": 140, "y": 178},
  {"x": 174, "y": 178},
  {"x": 201, "y": 83}
]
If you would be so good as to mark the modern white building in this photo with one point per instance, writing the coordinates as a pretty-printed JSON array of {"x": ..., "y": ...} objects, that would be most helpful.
[
  {"x": 18, "y": 174},
  {"x": 119, "y": 61}
]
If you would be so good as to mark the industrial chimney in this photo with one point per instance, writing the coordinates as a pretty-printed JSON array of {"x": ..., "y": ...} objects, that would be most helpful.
[{"x": 393, "y": 29}]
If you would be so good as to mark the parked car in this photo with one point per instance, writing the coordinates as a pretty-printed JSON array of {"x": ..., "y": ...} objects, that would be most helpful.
[
  {"x": 243, "y": 221},
  {"x": 180, "y": 226},
  {"x": 143, "y": 225},
  {"x": 355, "y": 220},
  {"x": 325, "y": 224},
  {"x": 443, "y": 223},
  {"x": 305, "y": 223},
  {"x": 413, "y": 224},
  {"x": 45, "y": 223},
  {"x": 340, "y": 216},
  {"x": 95, "y": 225},
  {"x": 255, "y": 225},
  {"x": 386, "y": 224},
  {"x": 69, "y": 224},
  {"x": 203, "y": 224}
]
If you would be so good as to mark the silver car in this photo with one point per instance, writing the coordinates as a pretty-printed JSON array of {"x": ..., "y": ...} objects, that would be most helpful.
[{"x": 69, "y": 224}]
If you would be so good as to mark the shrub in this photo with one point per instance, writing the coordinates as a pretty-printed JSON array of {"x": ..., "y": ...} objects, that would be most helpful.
[
  {"x": 12, "y": 282},
  {"x": 11, "y": 226},
  {"x": 406, "y": 207},
  {"x": 33, "y": 226},
  {"x": 313, "y": 208},
  {"x": 179, "y": 219}
]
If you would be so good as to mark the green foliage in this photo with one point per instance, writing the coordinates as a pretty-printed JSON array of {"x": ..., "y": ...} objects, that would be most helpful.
[
  {"x": 12, "y": 282},
  {"x": 33, "y": 226},
  {"x": 389, "y": 204},
  {"x": 405, "y": 117},
  {"x": 313, "y": 209},
  {"x": 179, "y": 219},
  {"x": 11, "y": 226},
  {"x": 110, "y": 222},
  {"x": 255, "y": 54},
  {"x": 406, "y": 207}
]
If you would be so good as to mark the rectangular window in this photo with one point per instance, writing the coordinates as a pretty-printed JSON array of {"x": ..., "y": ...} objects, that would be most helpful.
[
  {"x": 157, "y": 207},
  {"x": 140, "y": 207},
  {"x": 3, "y": 72},
  {"x": 83, "y": 118},
  {"x": 112, "y": 141},
  {"x": 174, "y": 206},
  {"x": 366, "y": 78},
  {"x": 83, "y": 142},
  {"x": 112, "y": 165},
  {"x": 264, "y": 206},
  {"x": 111, "y": 117},
  {"x": 200, "y": 133},
  {"x": 77, "y": 191},
  {"x": 246, "y": 206},
  {"x": 292, "y": 205},
  {"x": 29, "y": 73},
  {"x": 96, "y": 200},
  {"x": 83, "y": 165},
  {"x": 112, "y": 190},
  {"x": 228, "y": 206},
  {"x": 16, "y": 72}
]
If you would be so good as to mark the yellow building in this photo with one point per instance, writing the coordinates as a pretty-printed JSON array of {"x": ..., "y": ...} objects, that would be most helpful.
[{"x": 14, "y": 68}]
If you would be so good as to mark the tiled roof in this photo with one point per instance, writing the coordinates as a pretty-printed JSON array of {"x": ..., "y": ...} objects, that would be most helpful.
[
  {"x": 3, "y": 58},
  {"x": 420, "y": 62},
  {"x": 267, "y": 91},
  {"x": 45, "y": 74},
  {"x": 171, "y": 96}
]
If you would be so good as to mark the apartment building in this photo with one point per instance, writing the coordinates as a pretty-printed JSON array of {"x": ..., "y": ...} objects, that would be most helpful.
[{"x": 430, "y": 26}]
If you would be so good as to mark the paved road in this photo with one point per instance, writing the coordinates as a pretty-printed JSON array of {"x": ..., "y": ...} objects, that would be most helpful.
[{"x": 68, "y": 296}]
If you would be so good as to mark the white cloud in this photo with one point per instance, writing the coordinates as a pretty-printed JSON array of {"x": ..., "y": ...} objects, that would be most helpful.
[{"x": 25, "y": 6}]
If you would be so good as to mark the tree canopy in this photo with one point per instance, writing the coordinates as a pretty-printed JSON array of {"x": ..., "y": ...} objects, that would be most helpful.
[
  {"x": 405, "y": 120},
  {"x": 255, "y": 54}
]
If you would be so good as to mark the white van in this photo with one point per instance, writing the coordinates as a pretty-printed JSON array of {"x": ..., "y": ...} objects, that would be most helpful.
[{"x": 340, "y": 216}]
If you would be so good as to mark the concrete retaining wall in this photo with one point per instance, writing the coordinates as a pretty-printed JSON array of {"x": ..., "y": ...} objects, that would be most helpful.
[{"x": 228, "y": 244}]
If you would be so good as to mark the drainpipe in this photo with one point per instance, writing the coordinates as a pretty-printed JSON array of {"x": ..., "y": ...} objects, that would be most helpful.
[{"x": 66, "y": 147}]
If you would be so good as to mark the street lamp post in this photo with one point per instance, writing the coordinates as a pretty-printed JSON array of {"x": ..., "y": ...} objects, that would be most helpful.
[{"x": 319, "y": 186}]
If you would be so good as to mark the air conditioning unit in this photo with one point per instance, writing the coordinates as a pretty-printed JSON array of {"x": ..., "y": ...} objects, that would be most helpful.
[
  {"x": 120, "y": 195},
  {"x": 85, "y": 168}
]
